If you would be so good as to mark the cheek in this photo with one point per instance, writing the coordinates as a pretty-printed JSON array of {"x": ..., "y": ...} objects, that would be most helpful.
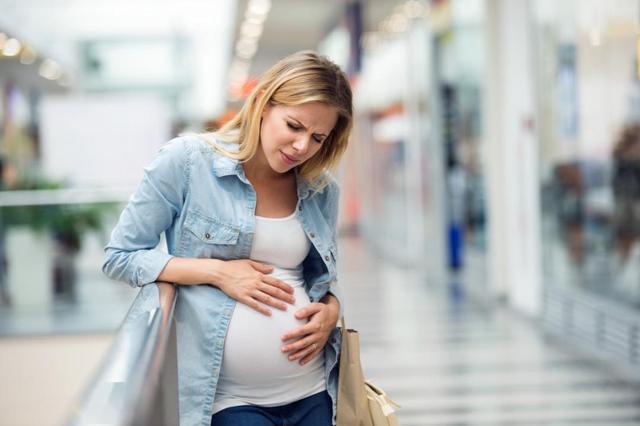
[
  {"x": 273, "y": 134},
  {"x": 316, "y": 149}
]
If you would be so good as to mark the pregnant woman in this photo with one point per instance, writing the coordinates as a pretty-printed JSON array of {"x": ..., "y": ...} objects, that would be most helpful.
[{"x": 249, "y": 214}]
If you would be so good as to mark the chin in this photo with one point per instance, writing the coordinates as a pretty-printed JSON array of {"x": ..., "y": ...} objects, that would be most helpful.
[{"x": 280, "y": 168}]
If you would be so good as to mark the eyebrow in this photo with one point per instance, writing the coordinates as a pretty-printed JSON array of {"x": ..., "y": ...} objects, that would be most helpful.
[{"x": 303, "y": 126}]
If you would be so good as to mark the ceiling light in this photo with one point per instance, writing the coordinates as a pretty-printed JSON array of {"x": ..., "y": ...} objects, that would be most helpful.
[
  {"x": 254, "y": 20},
  {"x": 11, "y": 47},
  {"x": 64, "y": 80},
  {"x": 413, "y": 9},
  {"x": 398, "y": 22},
  {"x": 251, "y": 30},
  {"x": 50, "y": 69},
  {"x": 246, "y": 48},
  {"x": 28, "y": 55},
  {"x": 258, "y": 7}
]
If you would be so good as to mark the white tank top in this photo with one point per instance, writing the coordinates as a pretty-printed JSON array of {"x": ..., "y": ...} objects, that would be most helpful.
[{"x": 254, "y": 369}]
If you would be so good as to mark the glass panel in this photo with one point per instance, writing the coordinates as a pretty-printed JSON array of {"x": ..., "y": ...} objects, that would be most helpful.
[
  {"x": 589, "y": 127},
  {"x": 50, "y": 279}
]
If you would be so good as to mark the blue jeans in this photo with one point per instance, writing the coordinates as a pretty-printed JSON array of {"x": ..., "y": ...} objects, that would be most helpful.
[{"x": 315, "y": 410}]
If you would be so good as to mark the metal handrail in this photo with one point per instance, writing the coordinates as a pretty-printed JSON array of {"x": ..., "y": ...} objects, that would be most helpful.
[
  {"x": 137, "y": 382},
  {"x": 42, "y": 197}
]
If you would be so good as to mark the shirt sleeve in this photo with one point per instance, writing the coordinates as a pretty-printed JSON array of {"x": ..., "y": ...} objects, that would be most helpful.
[
  {"x": 332, "y": 208},
  {"x": 131, "y": 254}
]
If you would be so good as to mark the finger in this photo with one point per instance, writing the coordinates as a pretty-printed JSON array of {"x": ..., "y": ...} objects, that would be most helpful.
[
  {"x": 299, "y": 344},
  {"x": 310, "y": 357},
  {"x": 254, "y": 304},
  {"x": 305, "y": 352},
  {"x": 309, "y": 310},
  {"x": 297, "y": 333},
  {"x": 277, "y": 293},
  {"x": 268, "y": 300},
  {"x": 278, "y": 283},
  {"x": 260, "y": 267}
]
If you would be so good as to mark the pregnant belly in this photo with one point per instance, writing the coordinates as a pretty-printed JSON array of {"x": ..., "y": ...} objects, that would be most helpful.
[{"x": 252, "y": 352}]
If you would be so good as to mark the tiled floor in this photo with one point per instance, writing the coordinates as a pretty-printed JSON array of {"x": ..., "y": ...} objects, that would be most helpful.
[
  {"x": 446, "y": 360},
  {"x": 450, "y": 362}
]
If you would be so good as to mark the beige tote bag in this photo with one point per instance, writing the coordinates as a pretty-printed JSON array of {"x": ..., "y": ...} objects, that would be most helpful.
[{"x": 360, "y": 403}]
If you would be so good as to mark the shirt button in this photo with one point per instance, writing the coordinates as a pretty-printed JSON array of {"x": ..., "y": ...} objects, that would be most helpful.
[
  {"x": 326, "y": 258},
  {"x": 312, "y": 235},
  {"x": 207, "y": 235},
  {"x": 300, "y": 208}
]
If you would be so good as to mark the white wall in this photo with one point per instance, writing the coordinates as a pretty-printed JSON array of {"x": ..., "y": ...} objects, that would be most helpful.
[
  {"x": 101, "y": 140},
  {"x": 512, "y": 158}
]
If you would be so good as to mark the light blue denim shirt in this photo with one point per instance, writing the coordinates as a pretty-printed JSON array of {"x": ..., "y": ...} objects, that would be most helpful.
[{"x": 204, "y": 203}]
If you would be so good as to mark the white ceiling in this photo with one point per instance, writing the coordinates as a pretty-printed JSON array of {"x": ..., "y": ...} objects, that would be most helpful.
[
  {"x": 54, "y": 27},
  {"x": 294, "y": 25}
]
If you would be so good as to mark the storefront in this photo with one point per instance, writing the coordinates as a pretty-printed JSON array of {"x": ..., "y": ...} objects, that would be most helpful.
[{"x": 588, "y": 85}]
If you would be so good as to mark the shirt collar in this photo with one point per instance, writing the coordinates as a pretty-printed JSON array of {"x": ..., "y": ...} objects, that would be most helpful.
[{"x": 226, "y": 166}]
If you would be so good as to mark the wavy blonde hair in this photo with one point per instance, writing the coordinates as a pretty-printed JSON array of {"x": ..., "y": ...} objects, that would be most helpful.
[{"x": 297, "y": 79}]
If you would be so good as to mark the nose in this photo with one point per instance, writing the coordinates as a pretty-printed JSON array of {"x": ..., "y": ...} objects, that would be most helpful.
[{"x": 301, "y": 145}]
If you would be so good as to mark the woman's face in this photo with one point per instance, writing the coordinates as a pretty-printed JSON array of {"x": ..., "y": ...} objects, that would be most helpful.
[{"x": 290, "y": 135}]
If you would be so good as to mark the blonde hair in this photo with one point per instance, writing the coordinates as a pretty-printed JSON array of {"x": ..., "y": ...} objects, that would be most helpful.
[{"x": 297, "y": 79}]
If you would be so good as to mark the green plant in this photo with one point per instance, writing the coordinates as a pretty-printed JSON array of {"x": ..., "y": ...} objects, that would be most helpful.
[{"x": 67, "y": 223}]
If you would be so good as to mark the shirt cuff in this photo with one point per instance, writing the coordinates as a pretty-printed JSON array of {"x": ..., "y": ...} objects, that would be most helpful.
[{"x": 151, "y": 264}]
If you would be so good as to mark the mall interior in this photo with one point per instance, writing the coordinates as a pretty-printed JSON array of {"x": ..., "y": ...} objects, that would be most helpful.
[{"x": 489, "y": 215}]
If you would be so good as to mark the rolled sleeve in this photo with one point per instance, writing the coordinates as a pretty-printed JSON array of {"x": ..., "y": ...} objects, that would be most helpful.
[
  {"x": 151, "y": 265},
  {"x": 131, "y": 254}
]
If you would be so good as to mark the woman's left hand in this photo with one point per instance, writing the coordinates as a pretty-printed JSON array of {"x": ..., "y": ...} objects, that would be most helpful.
[{"x": 307, "y": 341}]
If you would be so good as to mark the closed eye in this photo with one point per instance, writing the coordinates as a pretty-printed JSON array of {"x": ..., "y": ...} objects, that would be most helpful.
[{"x": 295, "y": 128}]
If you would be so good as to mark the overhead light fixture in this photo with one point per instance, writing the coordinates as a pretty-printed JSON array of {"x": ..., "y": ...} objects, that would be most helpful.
[
  {"x": 50, "y": 70},
  {"x": 246, "y": 46},
  {"x": 64, "y": 80},
  {"x": 11, "y": 47},
  {"x": 413, "y": 9},
  {"x": 398, "y": 21},
  {"x": 28, "y": 55},
  {"x": 245, "y": 49},
  {"x": 252, "y": 30},
  {"x": 259, "y": 7}
]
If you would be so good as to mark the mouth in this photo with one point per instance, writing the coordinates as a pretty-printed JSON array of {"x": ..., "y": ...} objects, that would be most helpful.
[{"x": 287, "y": 159}]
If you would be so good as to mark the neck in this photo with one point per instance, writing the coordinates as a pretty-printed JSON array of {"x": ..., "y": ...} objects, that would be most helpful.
[{"x": 257, "y": 168}]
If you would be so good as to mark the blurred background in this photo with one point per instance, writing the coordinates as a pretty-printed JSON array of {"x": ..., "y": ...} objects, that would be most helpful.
[{"x": 493, "y": 175}]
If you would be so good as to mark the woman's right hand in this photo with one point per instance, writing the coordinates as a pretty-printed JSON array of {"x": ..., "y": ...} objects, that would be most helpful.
[{"x": 247, "y": 282}]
